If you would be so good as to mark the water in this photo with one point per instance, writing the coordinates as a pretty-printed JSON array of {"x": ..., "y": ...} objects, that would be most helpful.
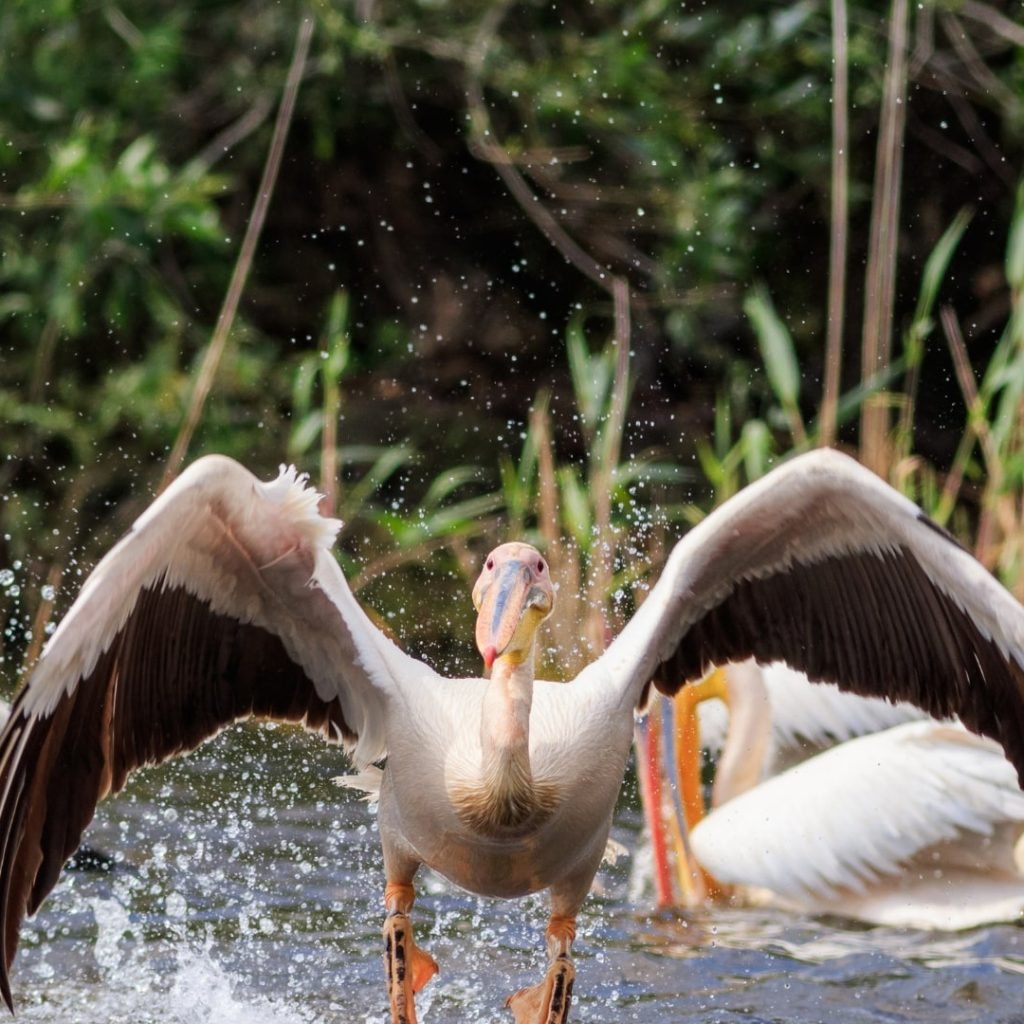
[{"x": 248, "y": 892}]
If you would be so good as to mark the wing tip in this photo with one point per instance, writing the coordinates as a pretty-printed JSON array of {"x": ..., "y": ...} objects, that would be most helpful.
[
  {"x": 290, "y": 490},
  {"x": 301, "y": 501}
]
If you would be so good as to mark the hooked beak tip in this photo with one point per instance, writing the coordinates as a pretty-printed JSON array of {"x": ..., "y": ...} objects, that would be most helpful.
[{"x": 490, "y": 653}]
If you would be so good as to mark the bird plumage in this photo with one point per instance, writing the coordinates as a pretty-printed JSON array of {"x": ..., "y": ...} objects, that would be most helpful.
[
  {"x": 895, "y": 827},
  {"x": 805, "y": 716}
]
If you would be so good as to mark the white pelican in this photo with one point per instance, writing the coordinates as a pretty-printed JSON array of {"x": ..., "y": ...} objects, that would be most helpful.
[
  {"x": 224, "y": 602},
  {"x": 916, "y": 824},
  {"x": 777, "y": 719},
  {"x": 768, "y": 718},
  {"x": 805, "y": 717}
]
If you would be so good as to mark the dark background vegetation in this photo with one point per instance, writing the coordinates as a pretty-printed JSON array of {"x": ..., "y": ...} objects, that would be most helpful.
[{"x": 684, "y": 147}]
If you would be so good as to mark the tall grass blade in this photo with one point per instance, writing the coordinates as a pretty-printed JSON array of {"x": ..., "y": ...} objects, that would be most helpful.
[
  {"x": 936, "y": 266},
  {"x": 922, "y": 325},
  {"x": 1015, "y": 246},
  {"x": 839, "y": 227},
  {"x": 880, "y": 279},
  {"x": 779, "y": 355}
]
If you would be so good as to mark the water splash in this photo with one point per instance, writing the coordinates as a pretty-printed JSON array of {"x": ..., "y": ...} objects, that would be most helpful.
[
  {"x": 255, "y": 903},
  {"x": 181, "y": 986}
]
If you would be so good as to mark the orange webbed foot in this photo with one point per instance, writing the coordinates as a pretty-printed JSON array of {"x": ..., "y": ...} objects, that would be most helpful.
[
  {"x": 408, "y": 968},
  {"x": 548, "y": 1002}
]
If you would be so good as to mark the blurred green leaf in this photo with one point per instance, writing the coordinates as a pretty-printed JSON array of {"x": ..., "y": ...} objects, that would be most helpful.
[
  {"x": 776, "y": 346},
  {"x": 1015, "y": 244},
  {"x": 934, "y": 274}
]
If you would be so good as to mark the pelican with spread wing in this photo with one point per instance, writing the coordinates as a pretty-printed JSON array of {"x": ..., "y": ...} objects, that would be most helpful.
[{"x": 225, "y": 602}]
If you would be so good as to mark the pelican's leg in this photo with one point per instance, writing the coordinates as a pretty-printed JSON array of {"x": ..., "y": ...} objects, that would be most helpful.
[
  {"x": 549, "y": 1002},
  {"x": 408, "y": 967}
]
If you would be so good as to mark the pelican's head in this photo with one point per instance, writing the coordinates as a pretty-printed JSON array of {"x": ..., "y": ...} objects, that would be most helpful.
[{"x": 513, "y": 596}]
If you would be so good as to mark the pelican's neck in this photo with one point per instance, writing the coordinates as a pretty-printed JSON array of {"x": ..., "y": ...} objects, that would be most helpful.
[
  {"x": 506, "y": 795},
  {"x": 749, "y": 734},
  {"x": 505, "y": 723}
]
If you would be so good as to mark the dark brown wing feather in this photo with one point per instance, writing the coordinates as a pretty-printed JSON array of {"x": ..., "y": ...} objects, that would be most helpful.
[
  {"x": 195, "y": 674},
  {"x": 874, "y": 623}
]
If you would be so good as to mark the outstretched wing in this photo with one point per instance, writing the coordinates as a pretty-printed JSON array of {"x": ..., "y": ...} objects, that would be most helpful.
[
  {"x": 823, "y": 566},
  {"x": 842, "y": 820},
  {"x": 223, "y": 602}
]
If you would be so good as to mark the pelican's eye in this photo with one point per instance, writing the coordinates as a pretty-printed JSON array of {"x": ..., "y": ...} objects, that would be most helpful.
[
  {"x": 540, "y": 565},
  {"x": 489, "y": 564}
]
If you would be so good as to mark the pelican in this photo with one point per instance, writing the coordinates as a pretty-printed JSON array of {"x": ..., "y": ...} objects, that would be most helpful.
[
  {"x": 754, "y": 722},
  {"x": 224, "y": 602},
  {"x": 799, "y": 717},
  {"x": 918, "y": 824}
]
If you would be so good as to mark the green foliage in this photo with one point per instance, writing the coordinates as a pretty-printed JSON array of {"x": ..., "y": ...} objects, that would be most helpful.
[
  {"x": 729, "y": 463},
  {"x": 683, "y": 150},
  {"x": 1015, "y": 246},
  {"x": 779, "y": 356},
  {"x": 602, "y": 519}
]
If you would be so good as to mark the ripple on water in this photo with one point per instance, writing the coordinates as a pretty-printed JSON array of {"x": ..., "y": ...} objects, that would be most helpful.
[{"x": 248, "y": 892}]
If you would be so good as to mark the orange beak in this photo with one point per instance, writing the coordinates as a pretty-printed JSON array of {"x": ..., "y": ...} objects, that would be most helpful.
[
  {"x": 513, "y": 596},
  {"x": 503, "y": 603}
]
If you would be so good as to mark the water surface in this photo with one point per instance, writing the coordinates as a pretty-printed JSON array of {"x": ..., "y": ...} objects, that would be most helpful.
[{"x": 248, "y": 891}]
